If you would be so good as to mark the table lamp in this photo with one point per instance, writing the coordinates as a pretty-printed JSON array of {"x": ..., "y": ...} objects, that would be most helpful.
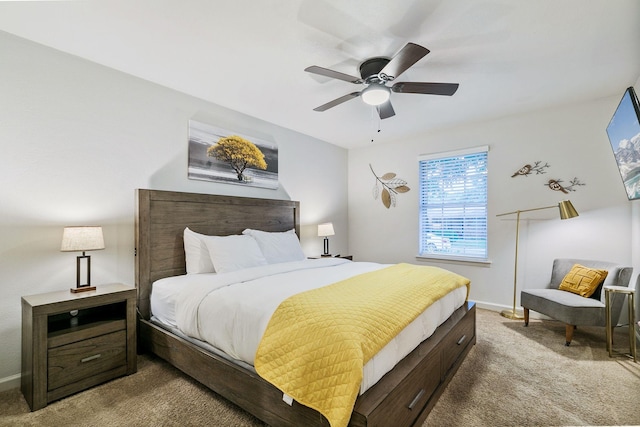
[
  {"x": 325, "y": 230},
  {"x": 83, "y": 238}
]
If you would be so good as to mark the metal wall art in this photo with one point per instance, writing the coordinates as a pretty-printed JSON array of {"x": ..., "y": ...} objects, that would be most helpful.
[
  {"x": 528, "y": 169},
  {"x": 554, "y": 184},
  {"x": 387, "y": 187}
]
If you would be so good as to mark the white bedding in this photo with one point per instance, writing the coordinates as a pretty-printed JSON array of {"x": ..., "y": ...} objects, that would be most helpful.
[{"x": 231, "y": 311}]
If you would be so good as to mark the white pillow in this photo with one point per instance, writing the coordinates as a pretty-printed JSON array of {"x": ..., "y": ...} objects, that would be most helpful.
[
  {"x": 278, "y": 247},
  {"x": 196, "y": 253},
  {"x": 231, "y": 253}
]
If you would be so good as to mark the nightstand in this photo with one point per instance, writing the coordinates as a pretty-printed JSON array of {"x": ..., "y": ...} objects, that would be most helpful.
[
  {"x": 349, "y": 257},
  {"x": 73, "y": 341}
]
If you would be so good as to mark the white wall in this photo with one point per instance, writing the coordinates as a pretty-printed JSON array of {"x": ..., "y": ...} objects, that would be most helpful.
[
  {"x": 77, "y": 139},
  {"x": 571, "y": 139}
]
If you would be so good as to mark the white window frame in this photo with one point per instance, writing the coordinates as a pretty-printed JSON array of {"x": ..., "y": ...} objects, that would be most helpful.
[{"x": 447, "y": 247}]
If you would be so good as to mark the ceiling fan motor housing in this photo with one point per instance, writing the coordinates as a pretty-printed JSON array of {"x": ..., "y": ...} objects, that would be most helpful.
[{"x": 370, "y": 69}]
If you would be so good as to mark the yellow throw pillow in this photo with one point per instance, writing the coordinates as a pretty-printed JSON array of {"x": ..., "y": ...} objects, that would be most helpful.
[{"x": 582, "y": 280}]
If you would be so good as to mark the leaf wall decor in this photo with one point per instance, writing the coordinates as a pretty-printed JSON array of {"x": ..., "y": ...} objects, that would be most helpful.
[{"x": 388, "y": 186}]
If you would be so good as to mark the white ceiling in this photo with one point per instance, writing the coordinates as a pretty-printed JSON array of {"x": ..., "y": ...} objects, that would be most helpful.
[{"x": 509, "y": 56}]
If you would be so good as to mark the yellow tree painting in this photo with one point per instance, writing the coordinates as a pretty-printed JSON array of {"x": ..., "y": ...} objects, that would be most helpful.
[
  {"x": 219, "y": 155},
  {"x": 239, "y": 153}
]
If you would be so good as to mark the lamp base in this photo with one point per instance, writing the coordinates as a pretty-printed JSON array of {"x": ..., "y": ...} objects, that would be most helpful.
[
  {"x": 83, "y": 289},
  {"x": 510, "y": 314}
]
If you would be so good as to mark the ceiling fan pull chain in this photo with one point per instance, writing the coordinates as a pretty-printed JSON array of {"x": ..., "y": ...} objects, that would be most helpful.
[{"x": 375, "y": 118}]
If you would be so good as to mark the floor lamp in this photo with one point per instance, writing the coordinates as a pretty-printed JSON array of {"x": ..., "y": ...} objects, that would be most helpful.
[{"x": 566, "y": 211}]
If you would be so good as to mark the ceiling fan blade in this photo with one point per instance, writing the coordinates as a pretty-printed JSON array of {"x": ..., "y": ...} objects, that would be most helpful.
[
  {"x": 426, "y": 88},
  {"x": 385, "y": 110},
  {"x": 337, "y": 101},
  {"x": 333, "y": 74},
  {"x": 408, "y": 55}
]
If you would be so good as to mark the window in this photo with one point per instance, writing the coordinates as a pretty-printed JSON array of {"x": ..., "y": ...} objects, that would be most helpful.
[{"x": 453, "y": 205}]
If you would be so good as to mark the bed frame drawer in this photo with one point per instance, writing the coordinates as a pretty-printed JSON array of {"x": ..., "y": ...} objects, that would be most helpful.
[
  {"x": 412, "y": 389},
  {"x": 73, "y": 362},
  {"x": 456, "y": 342},
  {"x": 411, "y": 395}
]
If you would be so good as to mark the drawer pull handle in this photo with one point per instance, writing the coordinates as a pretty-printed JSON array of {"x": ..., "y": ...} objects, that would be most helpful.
[
  {"x": 463, "y": 339},
  {"x": 90, "y": 358},
  {"x": 416, "y": 399}
]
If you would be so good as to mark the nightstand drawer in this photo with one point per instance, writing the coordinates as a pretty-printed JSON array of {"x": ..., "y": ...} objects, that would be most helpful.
[{"x": 73, "y": 362}]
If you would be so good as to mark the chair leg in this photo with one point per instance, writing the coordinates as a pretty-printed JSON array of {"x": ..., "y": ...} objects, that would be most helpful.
[
  {"x": 569, "y": 334},
  {"x": 526, "y": 316}
]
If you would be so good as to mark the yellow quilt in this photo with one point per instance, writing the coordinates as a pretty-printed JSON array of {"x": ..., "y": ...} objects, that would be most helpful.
[{"x": 317, "y": 342}]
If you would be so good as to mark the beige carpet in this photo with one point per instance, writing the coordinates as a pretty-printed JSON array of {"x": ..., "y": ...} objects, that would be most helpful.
[{"x": 514, "y": 376}]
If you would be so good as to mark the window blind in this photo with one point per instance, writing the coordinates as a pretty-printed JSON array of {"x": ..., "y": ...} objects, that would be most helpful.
[{"x": 453, "y": 204}]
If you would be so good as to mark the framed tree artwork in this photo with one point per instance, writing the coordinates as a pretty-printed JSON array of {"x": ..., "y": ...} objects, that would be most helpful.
[{"x": 224, "y": 156}]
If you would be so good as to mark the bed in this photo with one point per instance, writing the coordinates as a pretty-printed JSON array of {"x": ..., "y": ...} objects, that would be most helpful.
[{"x": 404, "y": 396}]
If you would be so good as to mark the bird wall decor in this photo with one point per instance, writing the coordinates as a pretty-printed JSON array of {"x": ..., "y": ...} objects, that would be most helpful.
[
  {"x": 539, "y": 168},
  {"x": 556, "y": 185},
  {"x": 528, "y": 169}
]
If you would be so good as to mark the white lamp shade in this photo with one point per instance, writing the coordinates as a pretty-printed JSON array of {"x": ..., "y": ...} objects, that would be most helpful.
[
  {"x": 85, "y": 238},
  {"x": 325, "y": 229}
]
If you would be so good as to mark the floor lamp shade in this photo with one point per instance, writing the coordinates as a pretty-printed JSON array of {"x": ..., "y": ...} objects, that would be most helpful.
[
  {"x": 82, "y": 239},
  {"x": 566, "y": 211}
]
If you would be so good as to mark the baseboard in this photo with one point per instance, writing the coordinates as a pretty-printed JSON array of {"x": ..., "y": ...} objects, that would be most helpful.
[
  {"x": 490, "y": 306},
  {"x": 499, "y": 307},
  {"x": 9, "y": 383}
]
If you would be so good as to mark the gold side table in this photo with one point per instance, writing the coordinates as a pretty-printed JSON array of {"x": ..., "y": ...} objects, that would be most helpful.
[{"x": 608, "y": 290}]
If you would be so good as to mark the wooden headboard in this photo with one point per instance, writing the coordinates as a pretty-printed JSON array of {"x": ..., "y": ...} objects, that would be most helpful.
[{"x": 161, "y": 217}]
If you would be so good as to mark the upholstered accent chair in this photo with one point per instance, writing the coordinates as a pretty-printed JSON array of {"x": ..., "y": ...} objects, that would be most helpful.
[{"x": 570, "y": 308}]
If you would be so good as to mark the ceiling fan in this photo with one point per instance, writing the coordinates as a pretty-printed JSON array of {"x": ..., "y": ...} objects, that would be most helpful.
[{"x": 376, "y": 72}]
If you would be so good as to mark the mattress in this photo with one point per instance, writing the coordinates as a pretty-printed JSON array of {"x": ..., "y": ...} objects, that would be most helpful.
[{"x": 167, "y": 292}]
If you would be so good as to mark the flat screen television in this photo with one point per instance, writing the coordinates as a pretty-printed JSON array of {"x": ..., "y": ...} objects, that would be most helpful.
[{"x": 624, "y": 136}]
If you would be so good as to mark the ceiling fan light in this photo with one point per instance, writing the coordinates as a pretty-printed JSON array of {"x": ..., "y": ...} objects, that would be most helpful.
[{"x": 375, "y": 94}]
